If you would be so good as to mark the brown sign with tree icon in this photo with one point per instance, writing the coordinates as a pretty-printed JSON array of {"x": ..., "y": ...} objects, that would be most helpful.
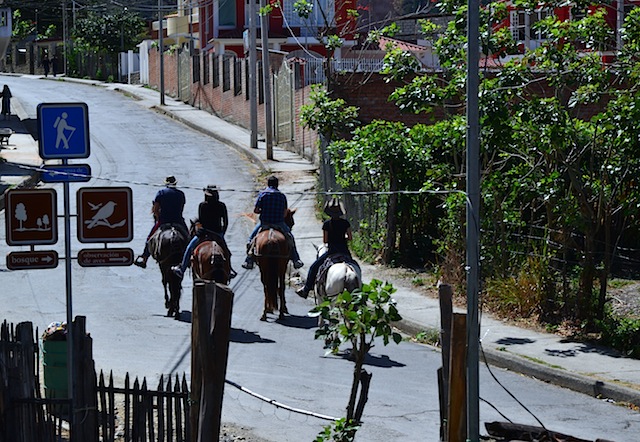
[{"x": 31, "y": 217}]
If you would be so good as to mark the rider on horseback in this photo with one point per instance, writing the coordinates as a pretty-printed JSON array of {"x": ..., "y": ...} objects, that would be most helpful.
[
  {"x": 168, "y": 205},
  {"x": 213, "y": 218},
  {"x": 271, "y": 205},
  {"x": 336, "y": 231}
]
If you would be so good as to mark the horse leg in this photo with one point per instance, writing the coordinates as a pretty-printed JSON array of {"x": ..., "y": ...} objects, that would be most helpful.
[
  {"x": 283, "y": 302},
  {"x": 266, "y": 307},
  {"x": 165, "y": 283}
]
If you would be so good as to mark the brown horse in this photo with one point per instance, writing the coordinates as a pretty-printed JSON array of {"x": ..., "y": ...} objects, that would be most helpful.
[
  {"x": 210, "y": 263},
  {"x": 167, "y": 244},
  {"x": 272, "y": 252}
]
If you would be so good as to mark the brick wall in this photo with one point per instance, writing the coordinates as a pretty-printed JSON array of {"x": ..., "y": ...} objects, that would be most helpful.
[{"x": 228, "y": 105}]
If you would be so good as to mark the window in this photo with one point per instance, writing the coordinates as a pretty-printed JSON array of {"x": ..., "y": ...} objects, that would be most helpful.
[
  {"x": 523, "y": 24},
  {"x": 308, "y": 26},
  {"x": 227, "y": 14}
]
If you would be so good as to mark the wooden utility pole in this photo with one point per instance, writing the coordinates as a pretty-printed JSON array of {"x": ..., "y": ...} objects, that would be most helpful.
[
  {"x": 266, "y": 75},
  {"x": 253, "y": 63},
  {"x": 161, "y": 48}
]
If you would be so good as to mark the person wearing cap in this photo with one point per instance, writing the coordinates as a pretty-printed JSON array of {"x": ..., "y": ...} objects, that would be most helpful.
[
  {"x": 167, "y": 208},
  {"x": 272, "y": 205},
  {"x": 214, "y": 220},
  {"x": 336, "y": 232}
]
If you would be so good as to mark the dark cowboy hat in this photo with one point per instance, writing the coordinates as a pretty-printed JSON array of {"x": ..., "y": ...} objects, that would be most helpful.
[
  {"x": 170, "y": 181},
  {"x": 334, "y": 207},
  {"x": 211, "y": 190}
]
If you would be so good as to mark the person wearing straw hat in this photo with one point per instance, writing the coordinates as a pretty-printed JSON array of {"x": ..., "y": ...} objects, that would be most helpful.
[
  {"x": 336, "y": 233},
  {"x": 167, "y": 208},
  {"x": 214, "y": 220}
]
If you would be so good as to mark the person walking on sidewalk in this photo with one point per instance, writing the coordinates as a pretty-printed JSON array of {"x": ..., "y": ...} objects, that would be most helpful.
[
  {"x": 214, "y": 220},
  {"x": 6, "y": 102},
  {"x": 336, "y": 232},
  {"x": 46, "y": 65},
  {"x": 167, "y": 208},
  {"x": 272, "y": 205}
]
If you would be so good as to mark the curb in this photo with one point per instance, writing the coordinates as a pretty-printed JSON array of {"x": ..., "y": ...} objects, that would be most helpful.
[{"x": 518, "y": 364}]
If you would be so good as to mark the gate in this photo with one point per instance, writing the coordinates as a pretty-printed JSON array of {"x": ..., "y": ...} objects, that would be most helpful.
[
  {"x": 184, "y": 76},
  {"x": 283, "y": 105}
]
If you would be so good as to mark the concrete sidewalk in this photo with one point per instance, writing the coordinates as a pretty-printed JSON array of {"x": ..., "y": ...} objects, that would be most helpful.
[{"x": 586, "y": 368}]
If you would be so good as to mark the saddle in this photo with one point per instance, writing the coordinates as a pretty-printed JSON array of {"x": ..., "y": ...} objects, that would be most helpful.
[
  {"x": 251, "y": 246},
  {"x": 332, "y": 259},
  {"x": 176, "y": 245}
]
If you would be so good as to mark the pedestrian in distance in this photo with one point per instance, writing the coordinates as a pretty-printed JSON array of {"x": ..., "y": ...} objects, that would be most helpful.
[
  {"x": 214, "y": 220},
  {"x": 167, "y": 208},
  {"x": 54, "y": 65},
  {"x": 46, "y": 65},
  {"x": 6, "y": 102},
  {"x": 271, "y": 206},
  {"x": 336, "y": 233}
]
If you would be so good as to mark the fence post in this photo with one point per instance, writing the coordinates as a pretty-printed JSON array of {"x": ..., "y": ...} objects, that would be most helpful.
[
  {"x": 457, "y": 421},
  {"x": 86, "y": 402},
  {"x": 445, "y": 295},
  {"x": 212, "y": 348}
]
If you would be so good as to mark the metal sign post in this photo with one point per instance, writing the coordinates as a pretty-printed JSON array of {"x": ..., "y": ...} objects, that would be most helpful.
[{"x": 63, "y": 133}]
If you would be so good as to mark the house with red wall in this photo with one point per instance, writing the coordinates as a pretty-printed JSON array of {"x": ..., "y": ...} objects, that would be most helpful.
[
  {"x": 222, "y": 25},
  {"x": 522, "y": 23}
]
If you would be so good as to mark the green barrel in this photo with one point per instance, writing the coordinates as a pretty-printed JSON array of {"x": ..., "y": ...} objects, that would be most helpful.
[{"x": 56, "y": 377}]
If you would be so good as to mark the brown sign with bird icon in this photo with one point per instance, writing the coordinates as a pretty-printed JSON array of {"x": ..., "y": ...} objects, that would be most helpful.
[{"x": 105, "y": 214}]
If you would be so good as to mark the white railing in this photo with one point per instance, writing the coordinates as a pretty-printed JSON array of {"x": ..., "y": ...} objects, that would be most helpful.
[{"x": 314, "y": 68}]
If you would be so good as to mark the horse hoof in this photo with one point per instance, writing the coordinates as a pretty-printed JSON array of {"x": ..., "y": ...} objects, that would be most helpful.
[
  {"x": 263, "y": 318},
  {"x": 177, "y": 316},
  {"x": 281, "y": 317}
]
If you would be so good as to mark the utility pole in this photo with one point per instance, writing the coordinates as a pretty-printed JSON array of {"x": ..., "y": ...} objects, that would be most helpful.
[
  {"x": 253, "y": 63},
  {"x": 64, "y": 36},
  {"x": 266, "y": 75},
  {"x": 473, "y": 221},
  {"x": 161, "y": 44}
]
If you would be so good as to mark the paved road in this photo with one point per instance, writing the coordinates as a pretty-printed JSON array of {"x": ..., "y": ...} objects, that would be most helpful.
[{"x": 135, "y": 147}]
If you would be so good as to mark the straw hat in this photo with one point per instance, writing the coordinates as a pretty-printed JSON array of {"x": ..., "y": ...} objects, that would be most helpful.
[
  {"x": 211, "y": 190},
  {"x": 170, "y": 181},
  {"x": 334, "y": 207}
]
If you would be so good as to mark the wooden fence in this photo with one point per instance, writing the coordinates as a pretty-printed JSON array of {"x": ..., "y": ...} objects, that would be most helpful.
[
  {"x": 135, "y": 413},
  {"x": 104, "y": 412}
]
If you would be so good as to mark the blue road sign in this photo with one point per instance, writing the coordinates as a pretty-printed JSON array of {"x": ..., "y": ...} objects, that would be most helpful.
[
  {"x": 66, "y": 173},
  {"x": 63, "y": 130}
]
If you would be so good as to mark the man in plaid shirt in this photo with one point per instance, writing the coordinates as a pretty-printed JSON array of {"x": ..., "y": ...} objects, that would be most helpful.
[{"x": 271, "y": 205}]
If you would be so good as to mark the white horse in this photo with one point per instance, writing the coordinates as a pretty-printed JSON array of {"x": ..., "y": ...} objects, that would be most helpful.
[{"x": 339, "y": 277}]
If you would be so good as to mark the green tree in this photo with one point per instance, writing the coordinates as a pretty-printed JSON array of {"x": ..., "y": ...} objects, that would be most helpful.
[
  {"x": 356, "y": 319},
  {"x": 112, "y": 33}
]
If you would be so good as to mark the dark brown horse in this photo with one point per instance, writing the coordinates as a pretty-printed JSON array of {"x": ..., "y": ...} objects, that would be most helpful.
[
  {"x": 272, "y": 252},
  {"x": 167, "y": 245}
]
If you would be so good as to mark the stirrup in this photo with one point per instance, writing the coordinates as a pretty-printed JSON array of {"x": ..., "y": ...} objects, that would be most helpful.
[{"x": 140, "y": 262}]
